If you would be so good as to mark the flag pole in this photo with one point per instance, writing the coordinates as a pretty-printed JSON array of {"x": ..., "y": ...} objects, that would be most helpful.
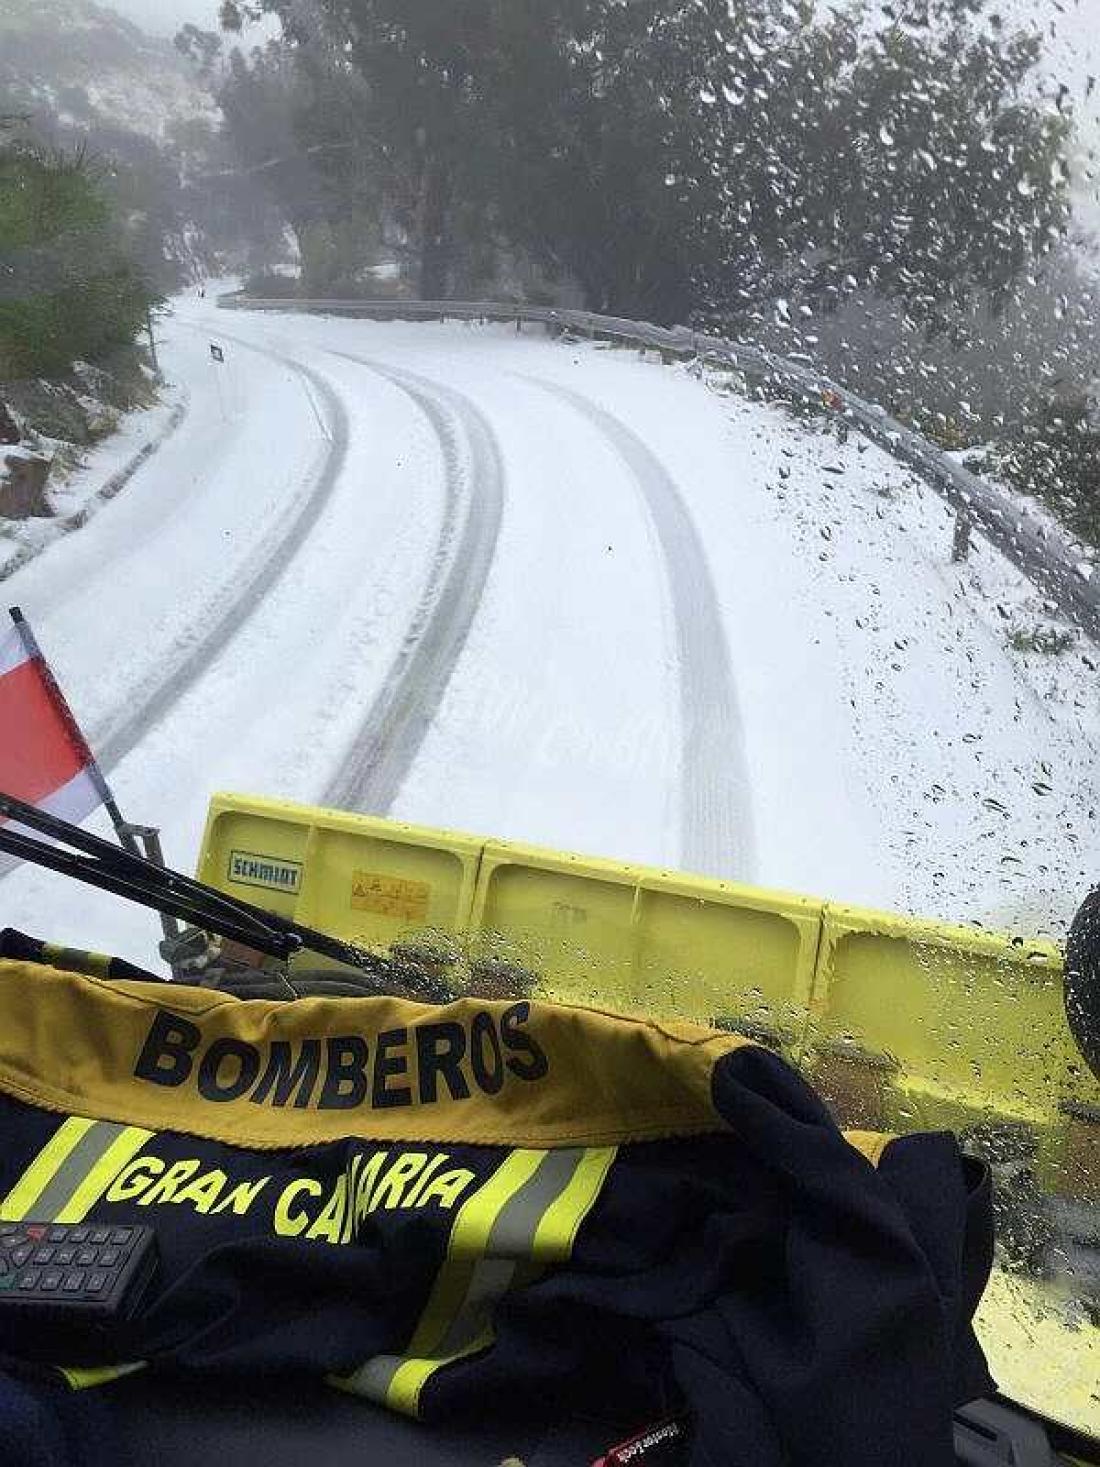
[{"x": 127, "y": 834}]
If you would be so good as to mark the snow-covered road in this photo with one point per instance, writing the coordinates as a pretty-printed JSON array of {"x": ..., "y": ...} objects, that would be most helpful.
[{"x": 553, "y": 593}]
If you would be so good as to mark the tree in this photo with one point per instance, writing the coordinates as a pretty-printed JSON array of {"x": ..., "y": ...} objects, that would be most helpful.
[
  {"x": 294, "y": 118},
  {"x": 429, "y": 112},
  {"x": 1055, "y": 453},
  {"x": 424, "y": 68},
  {"x": 702, "y": 157},
  {"x": 70, "y": 291},
  {"x": 599, "y": 168},
  {"x": 910, "y": 161}
]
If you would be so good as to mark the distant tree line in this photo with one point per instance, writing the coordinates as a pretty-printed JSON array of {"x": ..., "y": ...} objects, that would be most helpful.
[{"x": 679, "y": 159}]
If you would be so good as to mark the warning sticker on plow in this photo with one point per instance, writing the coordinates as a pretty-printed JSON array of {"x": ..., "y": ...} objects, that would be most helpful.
[{"x": 392, "y": 896}]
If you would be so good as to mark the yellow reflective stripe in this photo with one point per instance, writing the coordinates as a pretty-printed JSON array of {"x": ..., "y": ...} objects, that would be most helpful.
[
  {"x": 102, "y": 1174},
  {"x": 870, "y": 1144},
  {"x": 19, "y": 1202},
  {"x": 73, "y": 1170},
  {"x": 557, "y": 1232},
  {"x": 377, "y": 1379},
  {"x": 411, "y": 1378},
  {"x": 525, "y": 1217},
  {"x": 469, "y": 1236},
  {"x": 84, "y": 1377}
]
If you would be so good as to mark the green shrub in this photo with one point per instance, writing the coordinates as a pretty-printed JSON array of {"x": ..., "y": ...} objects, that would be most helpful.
[
  {"x": 1051, "y": 641},
  {"x": 69, "y": 291},
  {"x": 1055, "y": 456}
]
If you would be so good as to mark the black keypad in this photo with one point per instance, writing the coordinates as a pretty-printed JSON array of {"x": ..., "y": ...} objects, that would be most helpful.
[{"x": 76, "y": 1268}]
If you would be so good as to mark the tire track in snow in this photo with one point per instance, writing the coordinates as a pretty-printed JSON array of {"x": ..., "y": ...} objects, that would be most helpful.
[
  {"x": 264, "y": 569},
  {"x": 407, "y": 703},
  {"x": 716, "y": 833}
]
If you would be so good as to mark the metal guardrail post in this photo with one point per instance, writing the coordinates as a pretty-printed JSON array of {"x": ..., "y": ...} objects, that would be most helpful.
[{"x": 960, "y": 546}]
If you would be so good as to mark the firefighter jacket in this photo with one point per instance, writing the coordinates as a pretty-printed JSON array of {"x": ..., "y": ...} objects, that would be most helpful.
[{"x": 497, "y": 1205}]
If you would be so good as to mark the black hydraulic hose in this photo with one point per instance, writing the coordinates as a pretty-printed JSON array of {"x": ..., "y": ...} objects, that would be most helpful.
[{"x": 1082, "y": 979}]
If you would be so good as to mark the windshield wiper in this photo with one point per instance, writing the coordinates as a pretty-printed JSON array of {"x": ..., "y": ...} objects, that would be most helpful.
[{"x": 99, "y": 863}]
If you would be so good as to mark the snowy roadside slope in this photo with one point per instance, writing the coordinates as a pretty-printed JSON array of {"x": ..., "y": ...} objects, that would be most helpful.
[
  {"x": 101, "y": 471},
  {"x": 978, "y": 764},
  {"x": 903, "y": 754}
]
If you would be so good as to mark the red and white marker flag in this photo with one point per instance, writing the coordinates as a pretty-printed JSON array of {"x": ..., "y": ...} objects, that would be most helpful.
[{"x": 44, "y": 758}]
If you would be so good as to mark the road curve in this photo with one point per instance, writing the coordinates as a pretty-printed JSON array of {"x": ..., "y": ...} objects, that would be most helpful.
[
  {"x": 716, "y": 831},
  {"x": 406, "y": 705}
]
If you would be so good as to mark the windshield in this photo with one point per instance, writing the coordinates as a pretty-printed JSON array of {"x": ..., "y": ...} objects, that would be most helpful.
[{"x": 667, "y": 430}]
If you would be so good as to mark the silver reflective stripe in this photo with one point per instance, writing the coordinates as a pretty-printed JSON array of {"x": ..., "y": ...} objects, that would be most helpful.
[
  {"x": 89, "y": 1150},
  {"x": 373, "y": 1380},
  {"x": 511, "y": 1243},
  {"x": 73, "y": 1170},
  {"x": 523, "y": 1217}
]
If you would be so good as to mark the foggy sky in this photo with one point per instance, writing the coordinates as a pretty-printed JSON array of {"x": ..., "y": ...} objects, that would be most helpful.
[
  {"x": 1078, "y": 21},
  {"x": 164, "y": 17}
]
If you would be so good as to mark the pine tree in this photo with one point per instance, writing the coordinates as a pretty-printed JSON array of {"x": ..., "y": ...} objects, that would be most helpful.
[{"x": 70, "y": 290}]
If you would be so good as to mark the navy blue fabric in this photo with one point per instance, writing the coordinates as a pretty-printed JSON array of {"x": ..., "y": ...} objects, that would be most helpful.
[
  {"x": 810, "y": 1309},
  {"x": 45, "y": 1424}
]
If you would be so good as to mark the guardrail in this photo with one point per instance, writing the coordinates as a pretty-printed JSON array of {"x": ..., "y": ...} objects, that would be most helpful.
[{"x": 1052, "y": 563}]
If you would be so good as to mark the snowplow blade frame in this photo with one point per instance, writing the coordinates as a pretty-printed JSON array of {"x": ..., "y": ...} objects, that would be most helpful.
[{"x": 904, "y": 1024}]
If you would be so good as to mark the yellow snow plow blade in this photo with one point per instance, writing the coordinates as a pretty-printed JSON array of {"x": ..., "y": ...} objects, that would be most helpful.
[
  {"x": 901, "y": 1024},
  {"x": 904, "y": 1023}
]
